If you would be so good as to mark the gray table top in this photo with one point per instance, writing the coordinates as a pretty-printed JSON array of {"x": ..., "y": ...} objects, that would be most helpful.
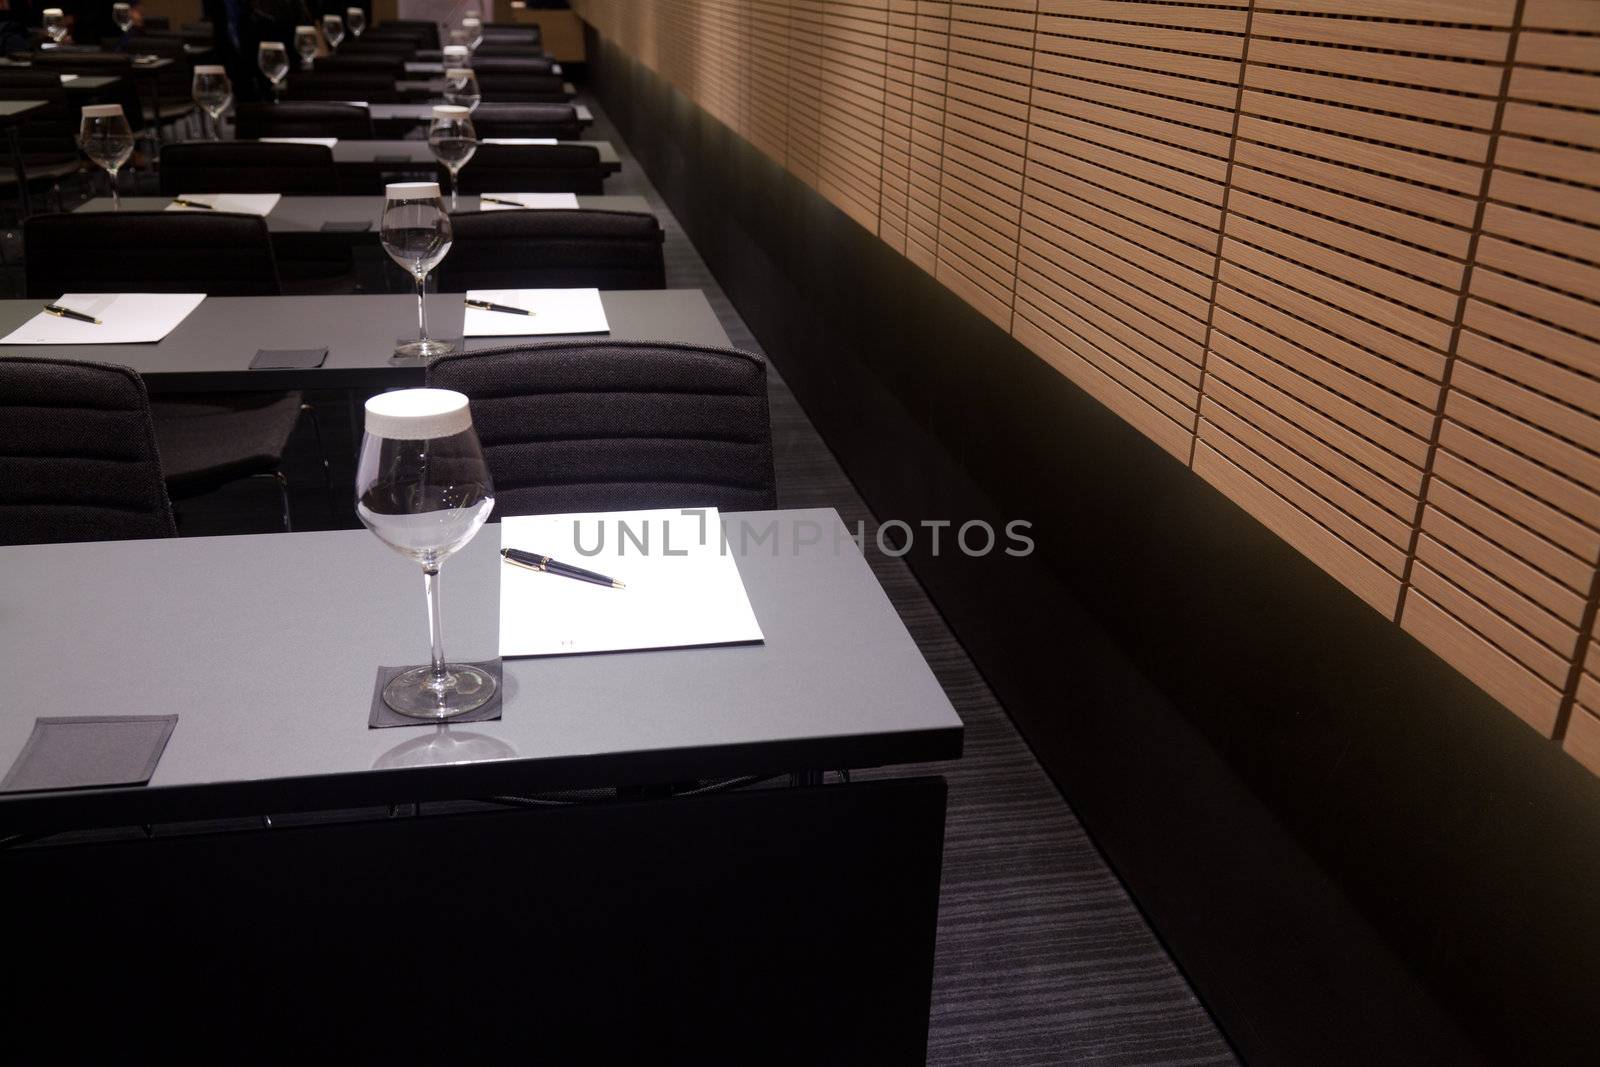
[
  {"x": 436, "y": 66},
  {"x": 436, "y": 86},
  {"x": 424, "y": 112},
  {"x": 213, "y": 347},
  {"x": 266, "y": 648},
  {"x": 306, "y": 214},
  {"x": 13, "y": 111}
]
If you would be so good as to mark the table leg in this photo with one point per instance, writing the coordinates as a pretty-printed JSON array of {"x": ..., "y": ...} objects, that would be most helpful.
[
  {"x": 22, "y": 171},
  {"x": 155, "y": 105}
]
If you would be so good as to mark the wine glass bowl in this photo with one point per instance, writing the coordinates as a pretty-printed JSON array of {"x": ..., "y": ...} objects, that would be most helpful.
[
  {"x": 54, "y": 21},
  {"x": 461, "y": 88},
  {"x": 453, "y": 141},
  {"x": 273, "y": 61},
  {"x": 356, "y": 19},
  {"x": 333, "y": 30},
  {"x": 423, "y": 488},
  {"x": 212, "y": 92},
  {"x": 457, "y": 55},
  {"x": 122, "y": 15},
  {"x": 106, "y": 138},
  {"x": 416, "y": 234},
  {"x": 472, "y": 28},
  {"x": 306, "y": 43}
]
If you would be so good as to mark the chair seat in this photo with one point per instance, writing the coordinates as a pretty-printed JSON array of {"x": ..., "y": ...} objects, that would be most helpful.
[{"x": 207, "y": 441}]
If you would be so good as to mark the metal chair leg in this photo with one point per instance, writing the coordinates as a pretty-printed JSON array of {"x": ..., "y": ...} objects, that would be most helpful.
[{"x": 283, "y": 495}]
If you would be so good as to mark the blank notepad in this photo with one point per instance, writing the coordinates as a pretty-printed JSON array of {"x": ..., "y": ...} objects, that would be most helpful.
[
  {"x": 681, "y": 588},
  {"x": 555, "y": 311},
  {"x": 125, "y": 318}
]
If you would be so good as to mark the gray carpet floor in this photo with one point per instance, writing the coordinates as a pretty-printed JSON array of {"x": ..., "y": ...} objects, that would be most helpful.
[{"x": 1041, "y": 957}]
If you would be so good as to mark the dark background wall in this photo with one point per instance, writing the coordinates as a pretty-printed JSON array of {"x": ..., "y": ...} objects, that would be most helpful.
[{"x": 1354, "y": 854}]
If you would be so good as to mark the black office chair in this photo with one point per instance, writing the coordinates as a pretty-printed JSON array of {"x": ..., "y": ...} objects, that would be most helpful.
[
  {"x": 78, "y": 454},
  {"x": 205, "y": 441},
  {"x": 387, "y": 63},
  {"x": 532, "y": 168},
  {"x": 371, "y": 87},
  {"x": 553, "y": 250},
  {"x": 510, "y": 64},
  {"x": 306, "y": 118},
  {"x": 512, "y": 33},
  {"x": 213, "y": 252},
  {"x": 401, "y": 48},
  {"x": 48, "y": 138},
  {"x": 501, "y": 86},
  {"x": 422, "y": 31},
  {"x": 527, "y": 120},
  {"x": 618, "y": 425},
  {"x": 248, "y": 167},
  {"x": 494, "y": 48}
]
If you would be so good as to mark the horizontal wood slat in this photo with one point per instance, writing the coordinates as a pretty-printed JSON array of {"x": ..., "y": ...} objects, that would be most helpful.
[{"x": 1342, "y": 257}]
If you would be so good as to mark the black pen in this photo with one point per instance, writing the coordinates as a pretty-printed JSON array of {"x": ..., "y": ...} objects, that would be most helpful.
[
  {"x": 497, "y": 200},
  {"x": 193, "y": 203},
  {"x": 67, "y": 313},
  {"x": 484, "y": 305},
  {"x": 535, "y": 562}
]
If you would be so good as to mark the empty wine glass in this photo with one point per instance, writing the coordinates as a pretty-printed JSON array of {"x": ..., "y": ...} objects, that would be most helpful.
[
  {"x": 306, "y": 43},
  {"x": 461, "y": 88},
  {"x": 55, "y": 24},
  {"x": 333, "y": 30},
  {"x": 212, "y": 92},
  {"x": 273, "y": 59},
  {"x": 423, "y": 488},
  {"x": 122, "y": 15},
  {"x": 453, "y": 141},
  {"x": 106, "y": 139},
  {"x": 416, "y": 233},
  {"x": 457, "y": 55},
  {"x": 356, "y": 19},
  {"x": 472, "y": 27},
  {"x": 458, "y": 37}
]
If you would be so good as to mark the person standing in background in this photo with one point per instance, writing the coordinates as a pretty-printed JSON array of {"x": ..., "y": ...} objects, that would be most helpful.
[{"x": 239, "y": 27}]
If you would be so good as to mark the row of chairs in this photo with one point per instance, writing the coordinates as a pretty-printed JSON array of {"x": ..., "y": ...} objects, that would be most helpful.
[
  {"x": 353, "y": 122},
  {"x": 379, "y": 87},
  {"x": 225, "y": 254}
]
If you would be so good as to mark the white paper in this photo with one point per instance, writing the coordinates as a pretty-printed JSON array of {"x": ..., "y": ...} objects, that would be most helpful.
[
  {"x": 239, "y": 203},
  {"x": 680, "y": 588},
  {"x": 326, "y": 142},
  {"x": 557, "y": 311},
  {"x": 520, "y": 140},
  {"x": 543, "y": 201},
  {"x": 126, "y": 318},
  {"x": 65, "y": 78}
]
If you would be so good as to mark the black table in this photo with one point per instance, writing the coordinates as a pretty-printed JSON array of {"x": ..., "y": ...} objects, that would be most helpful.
[{"x": 211, "y": 350}]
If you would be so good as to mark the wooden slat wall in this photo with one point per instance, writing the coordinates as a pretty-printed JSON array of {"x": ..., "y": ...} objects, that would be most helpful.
[{"x": 1339, "y": 256}]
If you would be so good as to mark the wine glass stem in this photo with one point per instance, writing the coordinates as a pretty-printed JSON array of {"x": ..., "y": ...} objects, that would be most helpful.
[
  {"x": 422, "y": 314},
  {"x": 430, "y": 583},
  {"x": 116, "y": 197},
  {"x": 453, "y": 204}
]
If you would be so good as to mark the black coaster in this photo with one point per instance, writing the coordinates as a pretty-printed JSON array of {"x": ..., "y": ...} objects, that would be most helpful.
[
  {"x": 288, "y": 358},
  {"x": 347, "y": 226},
  {"x": 85, "y": 752},
  {"x": 383, "y": 716}
]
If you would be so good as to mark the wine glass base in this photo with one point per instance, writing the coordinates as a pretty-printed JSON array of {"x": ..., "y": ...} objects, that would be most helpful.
[
  {"x": 426, "y": 348},
  {"x": 465, "y": 688}
]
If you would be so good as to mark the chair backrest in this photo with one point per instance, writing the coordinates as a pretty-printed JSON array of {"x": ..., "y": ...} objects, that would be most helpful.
[
  {"x": 402, "y": 48},
  {"x": 497, "y": 48},
  {"x": 374, "y": 88},
  {"x": 424, "y": 32},
  {"x": 513, "y": 32},
  {"x": 84, "y": 62},
  {"x": 618, "y": 425},
  {"x": 390, "y": 63},
  {"x": 553, "y": 250},
  {"x": 48, "y": 136},
  {"x": 503, "y": 64},
  {"x": 213, "y": 252},
  {"x": 306, "y": 118},
  {"x": 527, "y": 120},
  {"x": 525, "y": 88},
  {"x": 78, "y": 458},
  {"x": 533, "y": 168},
  {"x": 248, "y": 167}
]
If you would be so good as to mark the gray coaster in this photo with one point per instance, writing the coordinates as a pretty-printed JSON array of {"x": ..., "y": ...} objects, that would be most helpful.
[
  {"x": 383, "y": 716},
  {"x": 89, "y": 751}
]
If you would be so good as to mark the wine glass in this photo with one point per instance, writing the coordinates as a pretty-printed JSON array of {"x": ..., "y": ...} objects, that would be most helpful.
[
  {"x": 273, "y": 59},
  {"x": 106, "y": 139},
  {"x": 457, "y": 55},
  {"x": 458, "y": 38},
  {"x": 472, "y": 27},
  {"x": 461, "y": 88},
  {"x": 212, "y": 92},
  {"x": 306, "y": 43},
  {"x": 122, "y": 15},
  {"x": 333, "y": 30},
  {"x": 423, "y": 488},
  {"x": 356, "y": 19},
  {"x": 416, "y": 233},
  {"x": 453, "y": 141},
  {"x": 55, "y": 24}
]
